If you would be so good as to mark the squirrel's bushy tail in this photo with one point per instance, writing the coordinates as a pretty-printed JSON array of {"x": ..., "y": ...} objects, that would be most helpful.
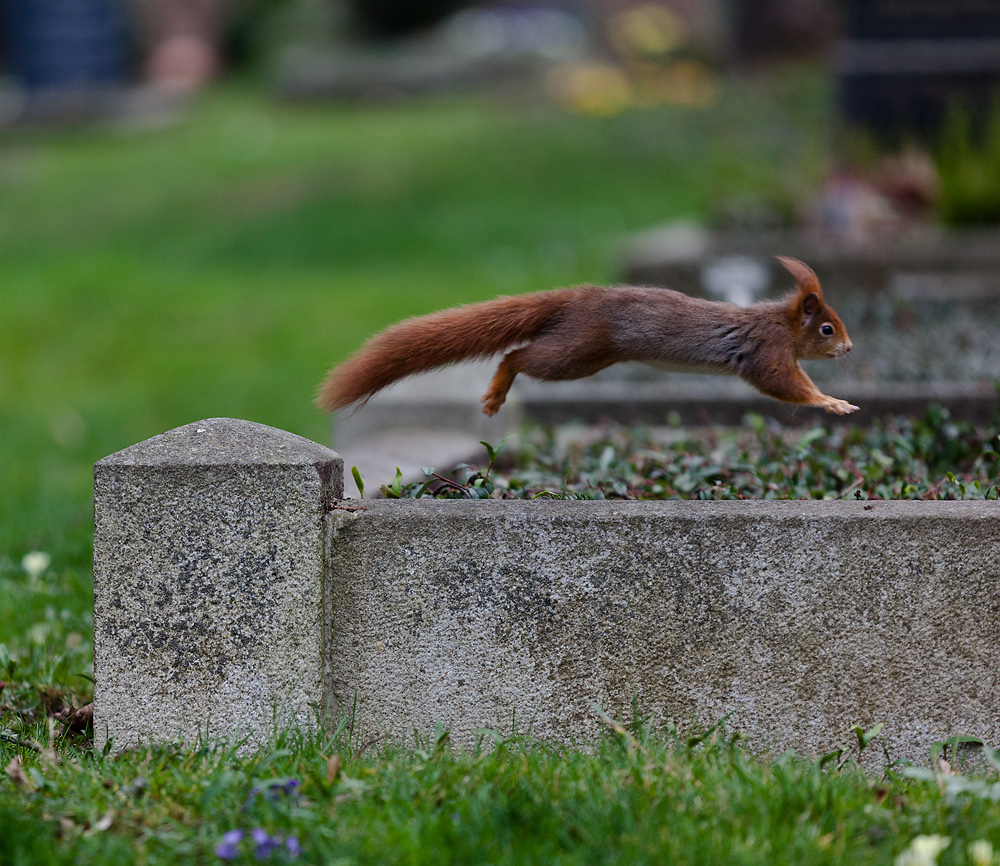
[{"x": 447, "y": 337}]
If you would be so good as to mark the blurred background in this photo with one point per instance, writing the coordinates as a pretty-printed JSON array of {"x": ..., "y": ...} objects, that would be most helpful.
[{"x": 204, "y": 204}]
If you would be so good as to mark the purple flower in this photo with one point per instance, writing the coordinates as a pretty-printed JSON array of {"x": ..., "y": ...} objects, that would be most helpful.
[
  {"x": 273, "y": 790},
  {"x": 266, "y": 844},
  {"x": 229, "y": 847},
  {"x": 289, "y": 788}
]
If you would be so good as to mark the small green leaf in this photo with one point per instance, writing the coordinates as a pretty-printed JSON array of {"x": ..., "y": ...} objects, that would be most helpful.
[
  {"x": 941, "y": 748},
  {"x": 395, "y": 489},
  {"x": 493, "y": 453},
  {"x": 865, "y": 737},
  {"x": 830, "y": 756},
  {"x": 358, "y": 480}
]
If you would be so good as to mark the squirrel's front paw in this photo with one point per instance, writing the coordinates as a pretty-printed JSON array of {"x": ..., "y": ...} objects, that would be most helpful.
[{"x": 838, "y": 407}]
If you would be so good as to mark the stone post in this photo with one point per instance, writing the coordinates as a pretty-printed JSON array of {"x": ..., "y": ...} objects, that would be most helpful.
[{"x": 209, "y": 577}]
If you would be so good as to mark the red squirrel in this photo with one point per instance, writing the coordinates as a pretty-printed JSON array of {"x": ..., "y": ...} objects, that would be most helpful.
[{"x": 572, "y": 333}]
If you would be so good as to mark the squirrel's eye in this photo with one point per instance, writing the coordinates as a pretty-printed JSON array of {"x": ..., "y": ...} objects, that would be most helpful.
[{"x": 826, "y": 330}]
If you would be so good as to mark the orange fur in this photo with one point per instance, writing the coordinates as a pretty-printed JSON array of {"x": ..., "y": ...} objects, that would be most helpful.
[
  {"x": 426, "y": 342},
  {"x": 571, "y": 333}
]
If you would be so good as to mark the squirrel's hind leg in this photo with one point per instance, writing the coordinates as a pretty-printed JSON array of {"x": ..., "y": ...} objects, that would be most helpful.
[
  {"x": 495, "y": 395},
  {"x": 549, "y": 360}
]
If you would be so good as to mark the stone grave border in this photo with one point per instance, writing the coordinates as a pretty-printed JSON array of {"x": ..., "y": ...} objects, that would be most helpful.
[{"x": 237, "y": 593}]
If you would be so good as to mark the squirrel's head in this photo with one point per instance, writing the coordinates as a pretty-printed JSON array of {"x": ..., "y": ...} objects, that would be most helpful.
[{"x": 818, "y": 331}]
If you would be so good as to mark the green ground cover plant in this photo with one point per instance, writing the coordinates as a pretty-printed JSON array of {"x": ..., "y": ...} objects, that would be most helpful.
[
  {"x": 933, "y": 457},
  {"x": 217, "y": 267}
]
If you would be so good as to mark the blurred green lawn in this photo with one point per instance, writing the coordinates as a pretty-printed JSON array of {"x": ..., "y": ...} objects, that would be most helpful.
[{"x": 218, "y": 267}]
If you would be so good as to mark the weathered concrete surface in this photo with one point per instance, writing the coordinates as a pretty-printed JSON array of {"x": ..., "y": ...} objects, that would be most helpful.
[
  {"x": 209, "y": 558},
  {"x": 799, "y": 618}
]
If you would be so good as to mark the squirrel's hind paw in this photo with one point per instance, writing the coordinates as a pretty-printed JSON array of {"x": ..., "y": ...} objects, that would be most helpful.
[{"x": 491, "y": 404}]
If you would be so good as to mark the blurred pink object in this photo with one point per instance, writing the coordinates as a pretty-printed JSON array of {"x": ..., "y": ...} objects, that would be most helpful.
[
  {"x": 182, "y": 64},
  {"x": 896, "y": 194},
  {"x": 181, "y": 39},
  {"x": 854, "y": 209}
]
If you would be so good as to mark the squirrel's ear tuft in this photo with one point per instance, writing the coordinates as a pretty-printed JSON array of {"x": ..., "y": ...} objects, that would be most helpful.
[{"x": 805, "y": 277}]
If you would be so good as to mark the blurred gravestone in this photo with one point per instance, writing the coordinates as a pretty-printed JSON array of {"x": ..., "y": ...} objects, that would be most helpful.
[
  {"x": 382, "y": 19},
  {"x": 766, "y": 30},
  {"x": 65, "y": 43},
  {"x": 902, "y": 63}
]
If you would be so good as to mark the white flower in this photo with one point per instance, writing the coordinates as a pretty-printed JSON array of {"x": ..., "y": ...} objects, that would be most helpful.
[
  {"x": 923, "y": 851},
  {"x": 981, "y": 853},
  {"x": 36, "y": 563}
]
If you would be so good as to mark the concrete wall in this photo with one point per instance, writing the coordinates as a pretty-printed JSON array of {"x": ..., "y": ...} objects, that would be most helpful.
[
  {"x": 799, "y": 618},
  {"x": 232, "y": 588}
]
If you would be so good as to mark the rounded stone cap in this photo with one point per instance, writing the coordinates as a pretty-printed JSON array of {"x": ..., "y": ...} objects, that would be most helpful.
[{"x": 223, "y": 442}]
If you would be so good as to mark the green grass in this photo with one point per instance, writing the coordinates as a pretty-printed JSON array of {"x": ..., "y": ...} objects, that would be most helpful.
[
  {"x": 638, "y": 796},
  {"x": 218, "y": 268}
]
